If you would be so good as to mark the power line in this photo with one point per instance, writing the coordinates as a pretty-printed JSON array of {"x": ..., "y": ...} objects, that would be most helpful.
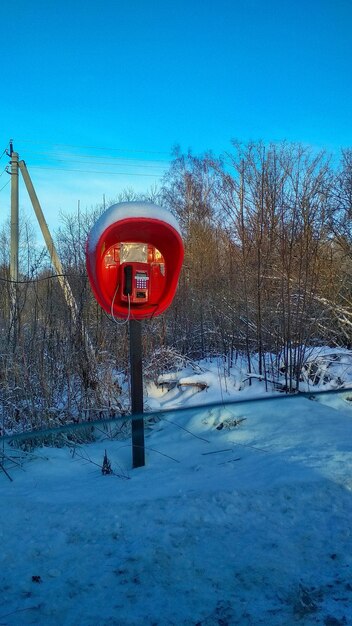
[
  {"x": 2, "y": 154},
  {"x": 5, "y": 184},
  {"x": 123, "y": 160},
  {"x": 37, "y": 280},
  {"x": 111, "y": 163},
  {"x": 65, "y": 169},
  {"x": 107, "y": 163},
  {"x": 68, "y": 145}
]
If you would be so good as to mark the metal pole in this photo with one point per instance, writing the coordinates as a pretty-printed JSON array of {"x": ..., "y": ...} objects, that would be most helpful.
[{"x": 138, "y": 450}]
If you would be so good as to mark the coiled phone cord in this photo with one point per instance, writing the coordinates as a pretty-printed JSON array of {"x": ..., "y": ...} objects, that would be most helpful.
[{"x": 112, "y": 308}]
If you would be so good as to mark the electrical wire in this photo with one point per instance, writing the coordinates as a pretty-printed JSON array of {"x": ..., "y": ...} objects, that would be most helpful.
[
  {"x": 68, "y": 145},
  {"x": 35, "y": 280},
  {"x": 2, "y": 154},
  {"x": 124, "y": 160},
  {"x": 107, "y": 163},
  {"x": 5, "y": 184},
  {"x": 65, "y": 169}
]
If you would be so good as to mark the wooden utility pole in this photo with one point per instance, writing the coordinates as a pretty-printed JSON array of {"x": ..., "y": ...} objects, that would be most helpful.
[
  {"x": 14, "y": 216},
  {"x": 14, "y": 245}
]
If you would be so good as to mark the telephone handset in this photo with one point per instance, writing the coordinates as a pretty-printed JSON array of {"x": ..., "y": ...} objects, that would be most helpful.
[
  {"x": 127, "y": 290},
  {"x": 135, "y": 282}
]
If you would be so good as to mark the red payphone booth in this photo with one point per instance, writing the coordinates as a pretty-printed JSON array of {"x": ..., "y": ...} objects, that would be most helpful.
[{"x": 134, "y": 257}]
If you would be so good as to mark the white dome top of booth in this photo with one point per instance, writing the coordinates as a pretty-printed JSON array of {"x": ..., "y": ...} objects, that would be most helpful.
[{"x": 124, "y": 210}]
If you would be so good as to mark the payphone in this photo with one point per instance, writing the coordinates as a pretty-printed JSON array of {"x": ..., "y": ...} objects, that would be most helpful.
[
  {"x": 135, "y": 282},
  {"x": 134, "y": 272},
  {"x": 134, "y": 257}
]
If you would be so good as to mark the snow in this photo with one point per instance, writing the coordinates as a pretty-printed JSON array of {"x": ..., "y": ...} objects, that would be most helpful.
[
  {"x": 124, "y": 210},
  {"x": 242, "y": 515}
]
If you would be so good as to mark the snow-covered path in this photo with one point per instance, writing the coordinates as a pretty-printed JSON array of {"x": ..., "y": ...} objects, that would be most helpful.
[{"x": 246, "y": 524}]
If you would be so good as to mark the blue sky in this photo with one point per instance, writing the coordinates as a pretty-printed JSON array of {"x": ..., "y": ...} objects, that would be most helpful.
[{"x": 120, "y": 83}]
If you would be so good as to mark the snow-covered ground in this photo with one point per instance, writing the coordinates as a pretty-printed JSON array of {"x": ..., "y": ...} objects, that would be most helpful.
[{"x": 241, "y": 516}]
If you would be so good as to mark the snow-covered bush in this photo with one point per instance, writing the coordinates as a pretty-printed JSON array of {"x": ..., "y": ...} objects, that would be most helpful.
[{"x": 167, "y": 359}]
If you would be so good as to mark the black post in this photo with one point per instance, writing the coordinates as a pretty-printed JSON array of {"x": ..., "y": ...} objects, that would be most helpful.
[{"x": 138, "y": 457}]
